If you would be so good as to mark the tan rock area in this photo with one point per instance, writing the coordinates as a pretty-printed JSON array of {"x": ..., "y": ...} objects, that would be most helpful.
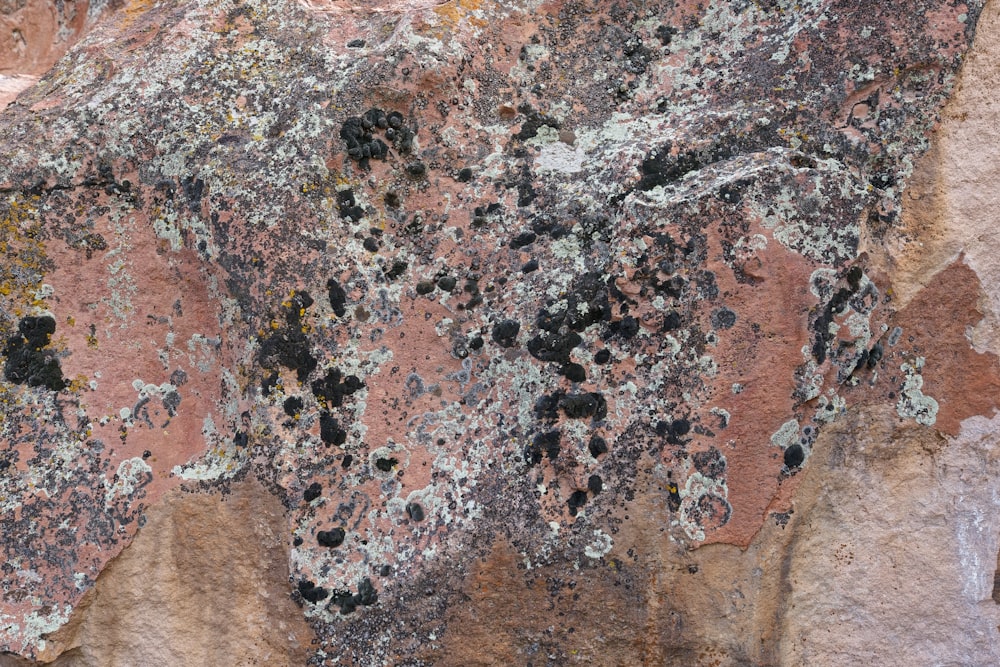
[
  {"x": 204, "y": 582},
  {"x": 477, "y": 333}
]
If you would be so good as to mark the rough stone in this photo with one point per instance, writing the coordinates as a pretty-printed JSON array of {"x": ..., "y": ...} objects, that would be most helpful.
[{"x": 653, "y": 333}]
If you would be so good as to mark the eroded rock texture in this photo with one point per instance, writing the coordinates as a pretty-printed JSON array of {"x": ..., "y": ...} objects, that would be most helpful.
[{"x": 471, "y": 333}]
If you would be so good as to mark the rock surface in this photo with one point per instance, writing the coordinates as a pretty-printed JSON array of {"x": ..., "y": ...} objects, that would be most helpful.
[{"x": 469, "y": 333}]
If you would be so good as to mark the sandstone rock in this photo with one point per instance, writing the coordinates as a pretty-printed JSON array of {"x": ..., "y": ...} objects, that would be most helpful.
[{"x": 544, "y": 333}]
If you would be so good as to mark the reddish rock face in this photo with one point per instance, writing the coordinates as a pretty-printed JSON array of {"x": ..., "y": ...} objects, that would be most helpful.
[
  {"x": 507, "y": 305},
  {"x": 34, "y": 34}
]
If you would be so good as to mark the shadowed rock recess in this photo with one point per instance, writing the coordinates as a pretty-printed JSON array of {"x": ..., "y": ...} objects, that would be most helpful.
[{"x": 500, "y": 333}]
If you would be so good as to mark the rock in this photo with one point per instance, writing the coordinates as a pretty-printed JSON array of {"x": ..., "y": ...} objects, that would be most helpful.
[
  {"x": 645, "y": 335},
  {"x": 204, "y": 582}
]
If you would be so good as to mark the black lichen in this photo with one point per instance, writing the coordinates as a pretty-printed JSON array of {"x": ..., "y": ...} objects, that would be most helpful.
[
  {"x": 523, "y": 239},
  {"x": 347, "y": 206},
  {"x": 580, "y": 406},
  {"x": 292, "y": 406},
  {"x": 397, "y": 269},
  {"x": 386, "y": 464},
  {"x": 288, "y": 346},
  {"x": 27, "y": 360},
  {"x": 331, "y": 389},
  {"x": 573, "y": 372},
  {"x": 672, "y": 321},
  {"x": 505, "y": 333},
  {"x": 311, "y": 592},
  {"x": 194, "y": 188},
  {"x": 366, "y": 596},
  {"x": 533, "y": 122},
  {"x": 330, "y": 430},
  {"x": 794, "y": 456},
  {"x": 553, "y": 347},
  {"x": 547, "y": 406},
  {"x": 331, "y": 538},
  {"x": 547, "y": 443},
  {"x": 723, "y": 318},
  {"x": 415, "y": 512},
  {"x": 624, "y": 329},
  {"x": 577, "y": 499},
  {"x": 597, "y": 446},
  {"x": 662, "y": 167},
  {"x": 312, "y": 492},
  {"x": 595, "y": 484},
  {"x": 677, "y": 429}
]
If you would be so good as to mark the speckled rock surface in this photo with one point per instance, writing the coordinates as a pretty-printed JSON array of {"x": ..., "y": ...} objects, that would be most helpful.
[{"x": 512, "y": 333}]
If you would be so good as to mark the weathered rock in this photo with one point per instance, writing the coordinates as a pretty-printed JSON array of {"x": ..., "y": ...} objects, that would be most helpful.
[{"x": 561, "y": 332}]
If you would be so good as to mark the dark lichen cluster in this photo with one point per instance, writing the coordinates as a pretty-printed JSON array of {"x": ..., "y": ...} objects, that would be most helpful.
[
  {"x": 360, "y": 135},
  {"x": 30, "y": 361}
]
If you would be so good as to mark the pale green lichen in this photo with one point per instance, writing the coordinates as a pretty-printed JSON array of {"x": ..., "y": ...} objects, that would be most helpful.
[
  {"x": 599, "y": 546},
  {"x": 913, "y": 403},
  {"x": 133, "y": 474}
]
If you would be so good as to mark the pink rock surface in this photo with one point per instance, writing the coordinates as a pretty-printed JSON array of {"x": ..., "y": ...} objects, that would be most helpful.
[{"x": 498, "y": 301}]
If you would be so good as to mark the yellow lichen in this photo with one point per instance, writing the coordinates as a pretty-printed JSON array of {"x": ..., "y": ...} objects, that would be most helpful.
[{"x": 23, "y": 254}]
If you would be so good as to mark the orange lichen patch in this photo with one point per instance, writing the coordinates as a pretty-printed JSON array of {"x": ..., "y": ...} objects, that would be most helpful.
[
  {"x": 133, "y": 11},
  {"x": 452, "y": 12}
]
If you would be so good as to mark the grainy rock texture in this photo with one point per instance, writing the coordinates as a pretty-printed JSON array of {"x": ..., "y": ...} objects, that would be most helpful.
[{"x": 475, "y": 333}]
